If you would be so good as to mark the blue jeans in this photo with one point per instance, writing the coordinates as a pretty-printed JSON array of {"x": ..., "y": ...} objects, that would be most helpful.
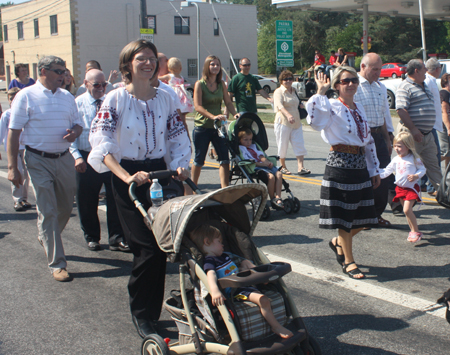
[{"x": 201, "y": 138}]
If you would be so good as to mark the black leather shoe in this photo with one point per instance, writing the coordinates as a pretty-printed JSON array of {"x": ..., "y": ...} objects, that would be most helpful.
[
  {"x": 94, "y": 246},
  {"x": 122, "y": 246},
  {"x": 143, "y": 327}
]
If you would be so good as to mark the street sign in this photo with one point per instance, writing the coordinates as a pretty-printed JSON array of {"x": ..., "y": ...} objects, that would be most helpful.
[
  {"x": 147, "y": 34},
  {"x": 369, "y": 45},
  {"x": 369, "y": 39},
  {"x": 285, "y": 44}
]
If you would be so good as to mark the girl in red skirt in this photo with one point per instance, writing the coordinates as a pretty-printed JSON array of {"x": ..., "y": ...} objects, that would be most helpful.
[{"x": 408, "y": 169}]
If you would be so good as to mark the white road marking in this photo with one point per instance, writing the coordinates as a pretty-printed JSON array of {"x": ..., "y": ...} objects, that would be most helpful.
[
  {"x": 363, "y": 287},
  {"x": 359, "y": 286}
]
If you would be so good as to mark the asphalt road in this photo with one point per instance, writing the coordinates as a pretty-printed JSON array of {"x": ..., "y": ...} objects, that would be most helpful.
[{"x": 391, "y": 312}]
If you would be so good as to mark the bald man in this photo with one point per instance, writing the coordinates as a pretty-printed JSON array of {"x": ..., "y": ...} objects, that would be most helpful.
[
  {"x": 372, "y": 94},
  {"x": 89, "y": 182}
]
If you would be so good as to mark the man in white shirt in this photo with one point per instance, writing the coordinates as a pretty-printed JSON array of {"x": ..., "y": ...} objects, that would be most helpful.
[
  {"x": 372, "y": 95},
  {"x": 89, "y": 182},
  {"x": 49, "y": 120},
  {"x": 433, "y": 72}
]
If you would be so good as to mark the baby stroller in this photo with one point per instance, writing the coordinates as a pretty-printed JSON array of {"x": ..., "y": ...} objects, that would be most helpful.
[
  {"x": 236, "y": 327},
  {"x": 245, "y": 169}
]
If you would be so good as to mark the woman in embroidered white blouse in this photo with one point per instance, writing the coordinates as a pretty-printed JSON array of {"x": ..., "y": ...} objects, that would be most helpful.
[
  {"x": 351, "y": 173},
  {"x": 138, "y": 130}
]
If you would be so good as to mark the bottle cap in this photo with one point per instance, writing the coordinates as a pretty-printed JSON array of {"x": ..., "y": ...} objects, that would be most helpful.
[{"x": 155, "y": 180}]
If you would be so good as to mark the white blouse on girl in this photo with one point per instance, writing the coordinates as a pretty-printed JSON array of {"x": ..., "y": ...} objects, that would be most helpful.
[
  {"x": 341, "y": 125},
  {"x": 134, "y": 129}
]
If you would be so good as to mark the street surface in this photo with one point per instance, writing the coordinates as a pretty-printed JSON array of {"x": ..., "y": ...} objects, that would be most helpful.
[{"x": 392, "y": 311}]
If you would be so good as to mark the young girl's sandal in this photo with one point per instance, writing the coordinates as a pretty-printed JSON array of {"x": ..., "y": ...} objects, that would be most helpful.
[
  {"x": 414, "y": 237},
  {"x": 352, "y": 273}
]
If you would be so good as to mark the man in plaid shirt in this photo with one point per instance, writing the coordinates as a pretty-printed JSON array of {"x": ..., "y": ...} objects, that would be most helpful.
[{"x": 372, "y": 94}]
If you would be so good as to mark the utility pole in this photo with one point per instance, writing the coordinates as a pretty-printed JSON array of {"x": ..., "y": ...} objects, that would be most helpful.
[{"x": 143, "y": 13}]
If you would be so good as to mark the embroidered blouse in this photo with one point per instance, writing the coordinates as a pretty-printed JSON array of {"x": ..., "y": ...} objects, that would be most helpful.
[
  {"x": 402, "y": 167},
  {"x": 341, "y": 125},
  {"x": 134, "y": 129}
]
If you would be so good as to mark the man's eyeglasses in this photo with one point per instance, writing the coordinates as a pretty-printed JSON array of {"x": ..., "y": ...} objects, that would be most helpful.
[
  {"x": 347, "y": 81},
  {"x": 98, "y": 85},
  {"x": 58, "y": 71},
  {"x": 289, "y": 79},
  {"x": 152, "y": 60},
  {"x": 245, "y": 65}
]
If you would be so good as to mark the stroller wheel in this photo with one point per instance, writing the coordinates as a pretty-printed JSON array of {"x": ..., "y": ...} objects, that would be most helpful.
[
  {"x": 296, "y": 205},
  {"x": 288, "y": 205},
  {"x": 153, "y": 344},
  {"x": 266, "y": 213}
]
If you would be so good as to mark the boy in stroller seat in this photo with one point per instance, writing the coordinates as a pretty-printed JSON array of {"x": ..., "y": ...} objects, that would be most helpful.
[
  {"x": 250, "y": 151},
  {"x": 217, "y": 264}
]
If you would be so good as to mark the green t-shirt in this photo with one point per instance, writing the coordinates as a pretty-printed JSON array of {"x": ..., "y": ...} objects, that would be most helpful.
[
  {"x": 211, "y": 102},
  {"x": 244, "y": 88}
]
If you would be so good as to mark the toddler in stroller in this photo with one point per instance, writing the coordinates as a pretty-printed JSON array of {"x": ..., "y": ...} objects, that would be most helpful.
[
  {"x": 250, "y": 151},
  {"x": 218, "y": 264}
]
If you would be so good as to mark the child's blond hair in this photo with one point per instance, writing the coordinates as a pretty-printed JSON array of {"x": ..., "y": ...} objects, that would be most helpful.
[
  {"x": 174, "y": 63},
  {"x": 244, "y": 132},
  {"x": 12, "y": 92},
  {"x": 407, "y": 139},
  {"x": 205, "y": 231}
]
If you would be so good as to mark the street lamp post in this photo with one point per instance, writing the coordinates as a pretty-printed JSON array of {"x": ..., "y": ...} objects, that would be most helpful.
[{"x": 187, "y": 4}]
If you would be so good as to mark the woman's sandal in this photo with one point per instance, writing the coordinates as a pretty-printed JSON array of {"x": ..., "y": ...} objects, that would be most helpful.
[
  {"x": 277, "y": 201},
  {"x": 339, "y": 257},
  {"x": 352, "y": 273},
  {"x": 285, "y": 171},
  {"x": 304, "y": 172}
]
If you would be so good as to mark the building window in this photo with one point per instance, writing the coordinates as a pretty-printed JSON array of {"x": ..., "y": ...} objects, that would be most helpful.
[
  {"x": 20, "y": 30},
  {"x": 151, "y": 22},
  {"x": 192, "y": 68},
  {"x": 232, "y": 70},
  {"x": 36, "y": 28},
  {"x": 54, "y": 24},
  {"x": 216, "y": 27},
  {"x": 5, "y": 33},
  {"x": 181, "y": 25}
]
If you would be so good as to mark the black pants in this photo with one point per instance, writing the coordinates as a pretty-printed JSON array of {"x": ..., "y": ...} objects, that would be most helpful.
[
  {"x": 146, "y": 284},
  {"x": 381, "y": 193},
  {"x": 89, "y": 184}
]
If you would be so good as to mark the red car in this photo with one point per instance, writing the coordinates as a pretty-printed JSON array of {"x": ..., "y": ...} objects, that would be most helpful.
[{"x": 392, "y": 70}]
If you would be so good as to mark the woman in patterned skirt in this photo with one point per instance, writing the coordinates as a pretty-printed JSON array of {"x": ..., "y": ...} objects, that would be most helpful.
[{"x": 351, "y": 173}]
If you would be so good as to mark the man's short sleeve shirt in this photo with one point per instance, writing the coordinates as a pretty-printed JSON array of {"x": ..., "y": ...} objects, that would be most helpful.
[{"x": 244, "y": 88}]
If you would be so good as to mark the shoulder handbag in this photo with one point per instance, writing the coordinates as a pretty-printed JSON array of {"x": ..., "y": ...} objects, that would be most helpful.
[{"x": 303, "y": 113}]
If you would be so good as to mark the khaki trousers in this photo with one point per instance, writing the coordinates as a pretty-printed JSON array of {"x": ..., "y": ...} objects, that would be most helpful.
[
  {"x": 427, "y": 151},
  {"x": 53, "y": 182},
  {"x": 21, "y": 193}
]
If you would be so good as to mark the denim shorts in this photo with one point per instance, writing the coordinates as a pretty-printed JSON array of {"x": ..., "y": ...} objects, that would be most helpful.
[{"x": 201, "y": 138}]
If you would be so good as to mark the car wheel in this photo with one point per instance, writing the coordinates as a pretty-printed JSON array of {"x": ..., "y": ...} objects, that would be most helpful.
[
  {"x": 394, "y": 76},
  {"x": 332, "y": 94},
  {"x": 391, "y": 99},
  {"x": 267, "y": 89}
]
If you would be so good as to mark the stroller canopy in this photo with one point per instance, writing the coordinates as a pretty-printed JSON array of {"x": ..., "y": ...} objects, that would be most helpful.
[{"x": 172, "y": 218}]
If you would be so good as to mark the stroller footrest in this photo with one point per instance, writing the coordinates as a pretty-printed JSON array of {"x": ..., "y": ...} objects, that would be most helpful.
[{"x": 275, "y": 345}]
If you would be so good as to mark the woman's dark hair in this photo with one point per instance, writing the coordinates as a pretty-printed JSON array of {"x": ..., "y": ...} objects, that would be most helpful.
[
  {"x": 205, "y": 73},
  {"x": 444, "y": 80},
  {"x": 285, "y": 74},
  {"x": 17, "y": 68},
  {"x": 127, "y": 55}
]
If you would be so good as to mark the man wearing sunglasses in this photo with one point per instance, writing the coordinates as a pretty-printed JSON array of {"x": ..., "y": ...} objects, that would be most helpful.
[
  {"x": 244, "y": 87},
  {"x": 372, "y": 94},
  {"x": 93, "y": 64},
  {"x": 89, "y": 182},
  {"x": 45, "y": 117}
]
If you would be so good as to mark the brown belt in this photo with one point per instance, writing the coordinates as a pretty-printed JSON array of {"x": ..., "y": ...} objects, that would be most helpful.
[
  {"x": 350, "y": 149},
  {"x": 45, "y": 154},
  {"x": 376, "y": 129}
]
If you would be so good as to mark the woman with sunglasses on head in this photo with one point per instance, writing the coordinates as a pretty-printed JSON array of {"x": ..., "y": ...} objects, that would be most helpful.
[
  {"x": 133, "y": 130},
  {"x": 351, "y": 172},
  {"x": 209, "y": 92},
  {"x": 288, "y": 127}
]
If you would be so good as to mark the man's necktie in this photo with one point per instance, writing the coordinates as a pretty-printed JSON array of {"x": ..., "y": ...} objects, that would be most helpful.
[{"x": 98, "y": 104}]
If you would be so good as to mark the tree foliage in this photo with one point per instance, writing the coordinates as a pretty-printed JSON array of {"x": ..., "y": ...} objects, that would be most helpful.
[{"x": 396, "y": 39}]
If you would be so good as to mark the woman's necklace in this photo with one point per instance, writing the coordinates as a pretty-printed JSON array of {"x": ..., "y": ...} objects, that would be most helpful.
[{"x": 361, "y": 125}]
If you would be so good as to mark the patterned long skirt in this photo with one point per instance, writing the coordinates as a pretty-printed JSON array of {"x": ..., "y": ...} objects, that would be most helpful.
[{"x": 346, "y": 195}]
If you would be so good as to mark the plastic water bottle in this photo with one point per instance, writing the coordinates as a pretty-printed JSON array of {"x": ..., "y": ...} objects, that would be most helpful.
[{"x": 156, "y": 194}]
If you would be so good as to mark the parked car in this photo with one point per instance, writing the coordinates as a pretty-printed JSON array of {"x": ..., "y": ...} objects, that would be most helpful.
[
  {"x": 267, "y": 84},
  {"x": 393, "y": 70},
  {"x": 306, "y": 88},
  {"x": 392, "y": 85}
]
